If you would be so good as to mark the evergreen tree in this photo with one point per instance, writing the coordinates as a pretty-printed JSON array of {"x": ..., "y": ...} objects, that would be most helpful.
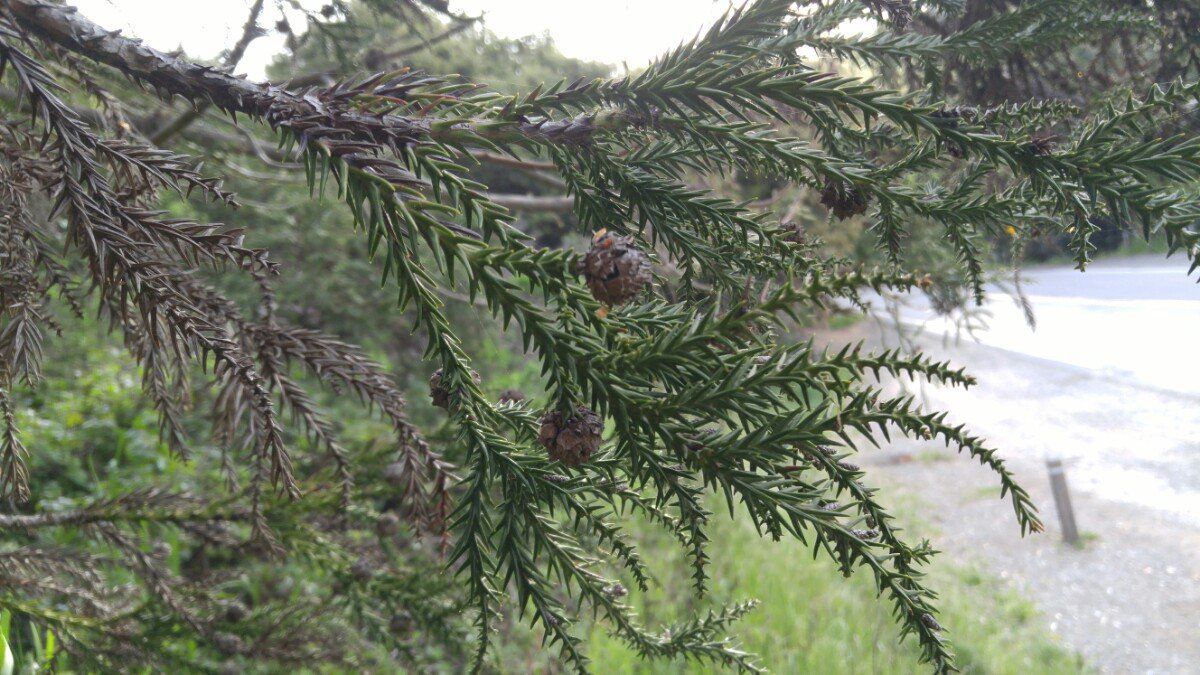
[{"x": 671, "y": 387}]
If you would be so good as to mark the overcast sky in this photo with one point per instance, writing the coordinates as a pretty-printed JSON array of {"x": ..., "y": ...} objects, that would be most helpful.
[{"x": 611, "y": 31}]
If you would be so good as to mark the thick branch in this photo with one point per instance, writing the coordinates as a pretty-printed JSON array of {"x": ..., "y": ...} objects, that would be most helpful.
[
  {"x": 63, "y": 26},
  {"x": 248, "y": 144},
  {"x": 533, "y": 203},
  {"x": 174, "y": 76},
  {"x": 171, "y": 75}
]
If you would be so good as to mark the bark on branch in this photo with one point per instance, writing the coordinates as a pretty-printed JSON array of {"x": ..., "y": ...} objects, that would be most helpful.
[
  {"x": 305, "y": 116},
  {"x": 173, "y": 76}
]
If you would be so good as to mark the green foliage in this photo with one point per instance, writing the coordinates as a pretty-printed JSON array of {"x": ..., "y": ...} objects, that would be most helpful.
[
  {"x": 97, "y": 435},
  {"x": 707, "y": 403},
  {"x": 813, "y": 621}
]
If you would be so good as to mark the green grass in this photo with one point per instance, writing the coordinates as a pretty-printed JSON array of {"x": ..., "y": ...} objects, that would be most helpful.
[
  {"x": 1086, "y": 539},
  {"x": 934, "y": 456},
  {"x": 840, "y": 321},
  {"x": 811, "y": 620}
]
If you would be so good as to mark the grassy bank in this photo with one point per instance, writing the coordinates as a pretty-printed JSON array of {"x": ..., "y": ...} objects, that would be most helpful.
[{"x": 810, "y": 620}]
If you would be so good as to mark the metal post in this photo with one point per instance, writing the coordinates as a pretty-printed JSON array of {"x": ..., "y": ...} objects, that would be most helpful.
[{"x": 1062, "y": 500}]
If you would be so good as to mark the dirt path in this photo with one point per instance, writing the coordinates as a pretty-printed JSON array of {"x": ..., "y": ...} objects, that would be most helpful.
[{"x": 1129, "y": 599}]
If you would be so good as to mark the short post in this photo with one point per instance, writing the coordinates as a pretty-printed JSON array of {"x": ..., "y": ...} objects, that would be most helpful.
[{"x": 1062, "y": 500}]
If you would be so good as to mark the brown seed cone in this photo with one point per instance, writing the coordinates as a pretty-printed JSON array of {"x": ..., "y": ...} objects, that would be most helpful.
[
  {"x": 615, "y": 269},
  {"x": 844, "y": 199},
  {"x": 441, "y": 393},
  {"x": 234, "y": 611},
  {"x": 511, "y": 396},
  {"x": 571, "y": 441},
  {"x": 401, "y": 622},
  {"x": 899, "y": 12},
  {"x": 1041, "y": 144},
  {"x": 792, "y": 231}
]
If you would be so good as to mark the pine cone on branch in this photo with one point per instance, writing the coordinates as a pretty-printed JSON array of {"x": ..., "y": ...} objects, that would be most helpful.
[
  {"x": 439, "y": 391},
  {"x": 573, "y": 440},
  {"x": 511, "y": 396},
  {"x": 844, "y": 199},
  {"x": 615, "y": 269}
]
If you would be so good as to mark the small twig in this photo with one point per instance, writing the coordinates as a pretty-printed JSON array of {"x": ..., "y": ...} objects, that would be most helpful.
[{"x": 555, "y": 204}]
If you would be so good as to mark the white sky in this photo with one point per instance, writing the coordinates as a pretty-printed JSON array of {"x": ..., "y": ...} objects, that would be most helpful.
[{"x": 610, "y": 31}]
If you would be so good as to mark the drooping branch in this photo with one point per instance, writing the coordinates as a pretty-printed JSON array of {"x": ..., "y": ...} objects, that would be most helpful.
[
  {"x": 615, "y": 354},
  {"x": 140, "y": 506},
  {"x": 175, "y": 76},
  {"x": 246, "y": 143}
]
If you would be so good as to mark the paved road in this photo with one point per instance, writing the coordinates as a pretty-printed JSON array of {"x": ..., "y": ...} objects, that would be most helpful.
[
  {"x": 1134, "y": 319},
  {"x": 1109, "y": 378},
  {"x": 1109, "y": 381},
  {"x": 1134, "y": 278}
]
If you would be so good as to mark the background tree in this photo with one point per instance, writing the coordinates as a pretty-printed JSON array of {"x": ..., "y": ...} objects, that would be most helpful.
[{"x": 668, "y": 385}]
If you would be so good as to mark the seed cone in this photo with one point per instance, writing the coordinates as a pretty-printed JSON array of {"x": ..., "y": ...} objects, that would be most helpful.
[
  {"x": 792, "y": 231},
  {"x": 234, "y": 611},
  {"x": 899, "y": 12},
  {"x": 844, "y": 199},
  {"x": 615, "y": 269},
  {"x": 511, "y": 396},
  {"x": 439, "y": 392},
  {"x": 1041, "y": 144},
  {"x": 573, "y": 440}
]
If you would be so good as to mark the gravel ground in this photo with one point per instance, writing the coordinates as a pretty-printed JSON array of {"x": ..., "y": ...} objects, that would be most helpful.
[{"x": 1128, "y": 599}]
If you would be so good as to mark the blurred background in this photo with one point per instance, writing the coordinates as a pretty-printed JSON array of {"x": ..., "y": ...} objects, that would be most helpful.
[{"x": 1096, "y": 370}]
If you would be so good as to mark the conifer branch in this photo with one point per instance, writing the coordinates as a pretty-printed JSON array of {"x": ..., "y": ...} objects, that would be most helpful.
[{"x": 667, "y": 328}]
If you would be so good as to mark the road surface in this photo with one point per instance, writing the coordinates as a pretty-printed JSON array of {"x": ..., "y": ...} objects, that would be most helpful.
[{"x": 1110, "y": 382}]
